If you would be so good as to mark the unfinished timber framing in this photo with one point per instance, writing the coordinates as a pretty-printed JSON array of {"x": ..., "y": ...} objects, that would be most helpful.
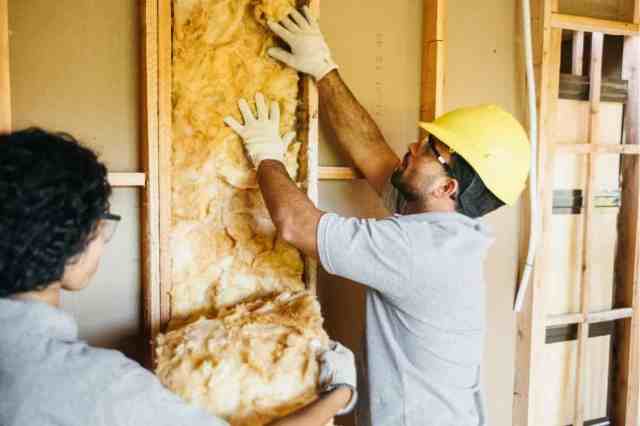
[
  {"x": 433, "y": 59},
  {"x": 548, "y": 24},
  {"x": 156, "y": 152},
  {"x": 5, "y": 82}
]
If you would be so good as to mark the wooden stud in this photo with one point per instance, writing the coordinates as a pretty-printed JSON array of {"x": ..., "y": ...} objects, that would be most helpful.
[
  {"x": 626, "y": 348},
  {"x": 433, "y": 59},
  {"x": 591, "y": 318},
  {"x": 582, "y": 23},
  {"x": 164, "y": 43},
  {"x": 127, "y": 179},
  {"x": 309, "y": 160},
  {"x": 583, "y": 148},
  {"x": 5, "y": 80},
  {"x": 577, "y": 54},
  {"x": 338, "y": 173},
  {"x": 613, "y": 315},
  {"x": 149, "y": 219},
  {"x": 567, "y": 319},
  {"x": 530, "y": 337},
  {"x": 597, "y": 40}
]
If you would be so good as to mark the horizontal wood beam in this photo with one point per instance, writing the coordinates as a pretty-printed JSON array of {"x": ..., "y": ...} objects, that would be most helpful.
[
  {"x": 338, "y": 173},
  {"x": 5, "y": 82},
  {"x": 592, "y": 318},
  {"x": 583, "y": 23},
  {"x": 120, "y": 180},
  {"x": 594, "y": 148}
]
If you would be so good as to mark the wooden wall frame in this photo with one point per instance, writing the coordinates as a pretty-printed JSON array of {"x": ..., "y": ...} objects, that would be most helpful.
[
  {"x": 548, "y": 24},
  {"x": 5, "y": 82},
  {"x": 157, "y": 108}
]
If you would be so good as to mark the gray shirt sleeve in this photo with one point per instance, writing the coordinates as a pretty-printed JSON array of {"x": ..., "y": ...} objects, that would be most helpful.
[
  {"x": 375, "y": 253},
  {"x": 136, "y": 397}
]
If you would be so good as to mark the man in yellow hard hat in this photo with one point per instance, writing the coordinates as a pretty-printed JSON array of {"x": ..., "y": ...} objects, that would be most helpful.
[{"x": 422, "y": 266}]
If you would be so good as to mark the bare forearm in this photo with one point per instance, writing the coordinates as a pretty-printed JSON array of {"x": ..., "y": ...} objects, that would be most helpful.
[
  {"x": 356, "y": 132},
  {"x": 294, "y": 215},
  {"x": 318, "y": 413}
]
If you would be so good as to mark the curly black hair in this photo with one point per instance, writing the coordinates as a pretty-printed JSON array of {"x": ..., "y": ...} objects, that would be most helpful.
[{"x": 53, "y": 192}]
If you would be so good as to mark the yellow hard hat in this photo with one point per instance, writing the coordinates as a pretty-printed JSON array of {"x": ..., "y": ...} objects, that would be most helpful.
[{"x": 492, "y": 141}]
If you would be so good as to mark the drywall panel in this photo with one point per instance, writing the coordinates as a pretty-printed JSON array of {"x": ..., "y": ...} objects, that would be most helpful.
[
  {"x": 380, "y": 61},
  {"x": 74, "y": 68},
  {"x": 108, "y": 310},
  {"x": 484, "y": 66}
]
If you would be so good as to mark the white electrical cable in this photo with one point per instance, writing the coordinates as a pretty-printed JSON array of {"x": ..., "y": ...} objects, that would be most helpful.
[{"x": 533, "y": 177}]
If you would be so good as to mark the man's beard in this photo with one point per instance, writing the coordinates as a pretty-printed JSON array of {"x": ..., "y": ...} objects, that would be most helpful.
[{"x": 403, "y": 188}]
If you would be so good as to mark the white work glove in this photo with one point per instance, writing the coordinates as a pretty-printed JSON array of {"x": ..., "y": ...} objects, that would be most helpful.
[
  {"x": 309, "y": 52},
  {"x": 338, "y": 368},
  {"x": 261, "y": 136}
]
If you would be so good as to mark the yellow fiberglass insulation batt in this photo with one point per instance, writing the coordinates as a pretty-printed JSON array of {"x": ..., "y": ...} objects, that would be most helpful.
[
  {"x": 252, "y": 363},
  {"x": 223, "y": 244},
  {"x": 242, "y": 324}
]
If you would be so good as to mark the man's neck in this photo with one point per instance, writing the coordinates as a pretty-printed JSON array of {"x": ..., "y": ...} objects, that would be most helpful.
[
  {"x": 422, "y": 206},
  {"x": 50, "y": 295}
]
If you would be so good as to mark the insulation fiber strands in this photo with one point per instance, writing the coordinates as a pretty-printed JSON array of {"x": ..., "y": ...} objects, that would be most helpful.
[
  {"x": 223, "y": 244},
  {"x": 243, "y": 331},
  {"x": 252, "y": 364}
]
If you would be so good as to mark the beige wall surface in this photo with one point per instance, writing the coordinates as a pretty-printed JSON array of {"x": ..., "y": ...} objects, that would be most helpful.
[
  {"x": 74, "y": 68},
  {"x": 484, "y": 66}
]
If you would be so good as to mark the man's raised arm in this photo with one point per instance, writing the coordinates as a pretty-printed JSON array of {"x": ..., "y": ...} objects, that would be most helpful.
[{"x": 356, "y": 132}]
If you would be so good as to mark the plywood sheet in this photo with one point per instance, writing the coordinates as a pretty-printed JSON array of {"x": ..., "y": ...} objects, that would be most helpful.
[
  {"x": 557, "y": 398},
  {"x": 563, "y": 292}
]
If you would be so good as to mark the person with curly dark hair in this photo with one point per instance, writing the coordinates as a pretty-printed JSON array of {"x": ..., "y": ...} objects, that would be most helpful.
[{"x": 54, "y": 224}]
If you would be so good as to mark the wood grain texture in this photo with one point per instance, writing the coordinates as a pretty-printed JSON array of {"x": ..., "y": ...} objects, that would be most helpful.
[
  {"x": 577, "y": 54},
  {"x": 582, "y": 23},
  {"x": 338, "y": 173},
  {"x": 433, "y": 59},
  {"x": 309, "y": 160},
  {"x": 626, "y": 345},
  {"x": 164, "y": 153},
  {"x": 586, "y": 258},
  {"x": 149, "y": 217},
  {"x": 5, "y": 79},
  {"x": 591, "y": 318}
]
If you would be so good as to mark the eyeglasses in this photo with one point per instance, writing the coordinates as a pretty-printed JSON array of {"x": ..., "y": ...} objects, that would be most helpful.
[
  {"x": 440, "y": 158},
  {"x": 109, "y": 225}
]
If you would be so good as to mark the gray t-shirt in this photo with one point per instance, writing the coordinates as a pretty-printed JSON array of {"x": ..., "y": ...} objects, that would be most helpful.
[
  {"x": 50, "y": 378},
  {"x": 425, "y": 312}
]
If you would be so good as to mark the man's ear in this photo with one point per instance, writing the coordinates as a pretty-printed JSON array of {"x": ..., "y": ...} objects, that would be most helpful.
[{"x": 448, "y": 189}]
